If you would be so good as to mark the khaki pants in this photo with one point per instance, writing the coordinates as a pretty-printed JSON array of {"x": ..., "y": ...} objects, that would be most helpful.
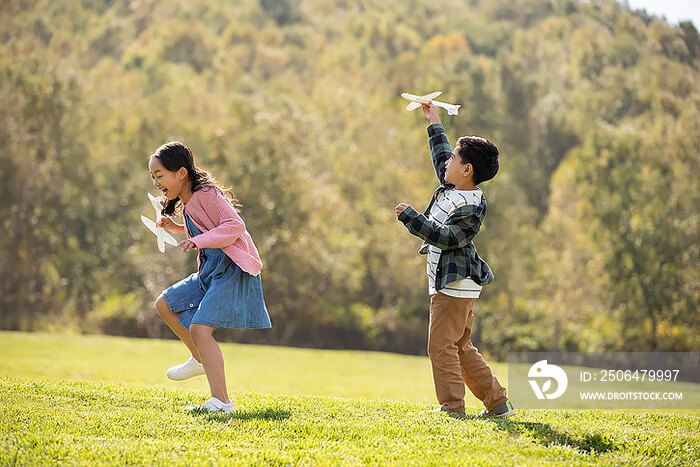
[{"x": 454, "y": 358}]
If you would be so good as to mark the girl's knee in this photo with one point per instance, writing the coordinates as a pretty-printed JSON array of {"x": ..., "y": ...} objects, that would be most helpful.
[
  {"x": 161, "y": 305},
  {"x": 200, "y": 331}
]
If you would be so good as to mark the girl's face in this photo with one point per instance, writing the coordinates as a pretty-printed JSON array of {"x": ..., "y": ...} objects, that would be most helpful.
[{"x": 171, "y": 184}]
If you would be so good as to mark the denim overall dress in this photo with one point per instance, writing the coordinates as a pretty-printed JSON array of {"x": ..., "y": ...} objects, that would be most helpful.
[{"x": 220, "y": 295}]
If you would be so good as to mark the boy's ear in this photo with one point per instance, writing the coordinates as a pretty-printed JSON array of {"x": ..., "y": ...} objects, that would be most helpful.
[{"x": 468, "y": 169}]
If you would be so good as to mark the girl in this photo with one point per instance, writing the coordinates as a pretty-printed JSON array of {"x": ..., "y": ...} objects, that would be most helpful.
[{"x": 226, "y": 291}]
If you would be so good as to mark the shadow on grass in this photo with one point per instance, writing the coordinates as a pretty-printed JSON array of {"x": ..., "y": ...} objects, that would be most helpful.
[
  {"x": 257, "y": 414},
  {"x": 548, "y": 436}
]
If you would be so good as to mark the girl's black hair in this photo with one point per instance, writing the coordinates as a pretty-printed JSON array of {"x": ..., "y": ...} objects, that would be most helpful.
[{"x": 175, "y": 155}]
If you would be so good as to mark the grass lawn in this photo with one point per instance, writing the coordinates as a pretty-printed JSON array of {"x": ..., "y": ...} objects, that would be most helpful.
[
  {"x": 103, "y": 400},
  {"x": 251, "y": 368}
]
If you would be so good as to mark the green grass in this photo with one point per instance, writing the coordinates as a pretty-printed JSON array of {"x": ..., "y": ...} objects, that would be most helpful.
[
  {"x": 252, "y": 368},
  {"x": 127, "y": 414}
]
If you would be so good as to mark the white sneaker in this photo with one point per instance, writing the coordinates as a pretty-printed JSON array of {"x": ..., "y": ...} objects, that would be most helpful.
[
  {"x": 186, "y": 370},
  {"x": 213, "y": 405}
]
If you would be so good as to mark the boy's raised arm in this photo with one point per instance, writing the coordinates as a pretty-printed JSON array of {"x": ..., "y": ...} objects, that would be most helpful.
[{"x": 440, "y": 149}]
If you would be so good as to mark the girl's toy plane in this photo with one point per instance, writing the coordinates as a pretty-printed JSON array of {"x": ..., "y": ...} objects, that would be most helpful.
[
  {"x": 416, "y": 101},
  {"x": 162, "y": 236}
]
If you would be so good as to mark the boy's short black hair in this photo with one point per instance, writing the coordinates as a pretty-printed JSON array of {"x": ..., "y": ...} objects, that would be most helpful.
[{"x": 482, "y": 154}]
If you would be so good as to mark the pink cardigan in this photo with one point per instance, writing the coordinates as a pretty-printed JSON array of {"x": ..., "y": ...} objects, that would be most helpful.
[{"x": 223, "y": 228}]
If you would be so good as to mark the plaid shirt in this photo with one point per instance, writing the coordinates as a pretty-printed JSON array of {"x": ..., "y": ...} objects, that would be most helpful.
[{"x": 459, "y": 259}]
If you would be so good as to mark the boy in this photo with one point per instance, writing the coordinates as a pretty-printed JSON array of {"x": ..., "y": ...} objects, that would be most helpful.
[{"x": 455, "y": 271}]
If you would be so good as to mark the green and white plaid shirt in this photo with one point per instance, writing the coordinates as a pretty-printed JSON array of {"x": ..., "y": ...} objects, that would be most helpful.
[{"x": 459, "y": 258}]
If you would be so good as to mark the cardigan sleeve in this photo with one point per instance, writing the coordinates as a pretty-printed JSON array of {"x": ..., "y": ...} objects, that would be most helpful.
[{"x": 228, "y": 224}]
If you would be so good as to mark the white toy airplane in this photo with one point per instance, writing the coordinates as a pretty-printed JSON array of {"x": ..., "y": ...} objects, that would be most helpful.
[
  {"x": 163, "y": 236},
  {"x": 416, "y": 101}
]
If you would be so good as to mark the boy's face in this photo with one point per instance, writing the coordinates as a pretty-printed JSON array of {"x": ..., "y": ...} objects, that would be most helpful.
[{"x": 456, "y": 172}]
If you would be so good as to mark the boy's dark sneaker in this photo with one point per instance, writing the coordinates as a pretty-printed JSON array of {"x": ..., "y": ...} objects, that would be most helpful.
[
  {"x": 457, "y": 415},
  {"x": 502, "y": 411}
]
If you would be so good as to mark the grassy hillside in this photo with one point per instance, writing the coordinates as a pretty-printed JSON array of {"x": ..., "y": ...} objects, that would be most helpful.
[
  {"x": 294, "y": 407},
  {"x": 251, "y": 368}
]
